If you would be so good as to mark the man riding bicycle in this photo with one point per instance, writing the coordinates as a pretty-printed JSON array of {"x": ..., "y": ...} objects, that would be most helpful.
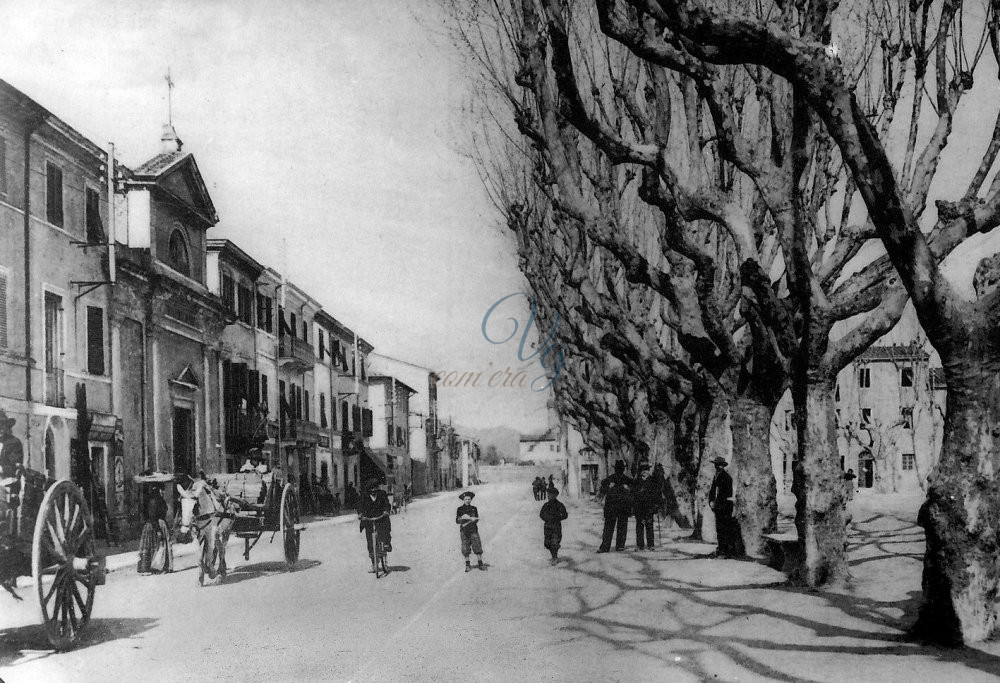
[{"x": 373, "y": 509}]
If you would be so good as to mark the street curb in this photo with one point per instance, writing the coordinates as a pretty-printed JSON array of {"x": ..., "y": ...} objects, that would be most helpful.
[{"x": 128, "y": 560}]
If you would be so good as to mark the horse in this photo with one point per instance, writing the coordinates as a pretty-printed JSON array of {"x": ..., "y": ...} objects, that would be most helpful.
[{"x": 212, "y": 525}]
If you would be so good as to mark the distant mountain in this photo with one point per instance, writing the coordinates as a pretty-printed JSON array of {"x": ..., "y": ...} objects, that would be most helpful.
[{"x": 505, "y": 439}]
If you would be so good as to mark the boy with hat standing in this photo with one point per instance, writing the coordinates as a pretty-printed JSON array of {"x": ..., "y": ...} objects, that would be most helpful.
[
  {"x": 552, "y": 514},
  {"x": 467, "y": 517}
]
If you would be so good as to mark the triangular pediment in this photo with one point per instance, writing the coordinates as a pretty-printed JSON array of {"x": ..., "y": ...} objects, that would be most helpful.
[
  {"x": 187, "y": 378},
  {"x": 177, "y": 174}
]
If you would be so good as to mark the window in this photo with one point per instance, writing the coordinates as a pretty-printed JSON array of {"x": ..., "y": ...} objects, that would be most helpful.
[
  {"x": 3, "y": 309},
  {"x": 344, "y": 426},
  {"x": 367, "y": 423},
  {"x": 245, "y": 305},
  {"x": 305, "y": 331},
  {"x": 322, "y": 411},
  {"x": 228, "y": 292},
  {"x": 355, "y": 419},
  {"x": 909, "y": 461},
  {"x": 906, "y": 377},
  {"x": 92, "y": 217},
  {"x": 788, "y": 420},
  {"x": 53, "y": 194},
  {"x": 264, "y": 401},
  {"x": 306, "y": 411},
  {"x": 95, "y": 340},
  {"x": 319, "y": 339},
  {"x": 399, "y": 437},
  {"x": 866, "y": 416},
  {"x": 292, "y": 325},
  {"x": 265, "y": 312},
  {"x": 864, "y": 378},
  {"x": 388, "y": 435},
  {"x": 177, "y": 253},
  {"x": 906, "y": 415}
]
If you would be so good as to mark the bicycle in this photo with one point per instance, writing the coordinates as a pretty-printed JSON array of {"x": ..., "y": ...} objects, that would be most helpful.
[{"x": 378, "y": 556}]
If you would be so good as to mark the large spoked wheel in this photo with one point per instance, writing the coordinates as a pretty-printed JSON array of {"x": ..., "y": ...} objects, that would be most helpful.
[
  {"x": 289, "y": 520},
  {"x": 63, "y": 563}
]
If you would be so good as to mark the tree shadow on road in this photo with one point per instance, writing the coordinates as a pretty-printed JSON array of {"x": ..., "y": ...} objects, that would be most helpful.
[
  {"x": 29, "y": 643},
  {"x": 258, "y": 570},
  {"x": 694, "y": 619}
]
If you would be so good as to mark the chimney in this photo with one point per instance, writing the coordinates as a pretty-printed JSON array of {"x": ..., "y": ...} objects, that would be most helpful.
[{"x": 169, "y": 142}]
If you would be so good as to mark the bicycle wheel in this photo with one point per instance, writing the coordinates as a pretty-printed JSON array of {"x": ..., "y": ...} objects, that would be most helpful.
[{"x": 380, "y": 565}]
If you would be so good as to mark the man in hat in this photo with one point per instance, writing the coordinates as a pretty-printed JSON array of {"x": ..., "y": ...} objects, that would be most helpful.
[
  {"x": 467, "y": 517},
  {"x": 617, "y": 493},
  {"x": 647, "y": 501},
  {"x": 373, "y": 509},
  {"x": 11, "y": 451},
  {"x": 720, "y": 499}
]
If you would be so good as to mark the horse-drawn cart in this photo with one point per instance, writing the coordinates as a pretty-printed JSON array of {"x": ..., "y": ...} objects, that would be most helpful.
[
  {"x": 248, "y": 504},
  {"x": 47, "y": 532}
]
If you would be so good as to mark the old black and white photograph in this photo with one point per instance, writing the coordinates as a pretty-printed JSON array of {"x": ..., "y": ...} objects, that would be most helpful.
[{"x": 499, "y": 340}]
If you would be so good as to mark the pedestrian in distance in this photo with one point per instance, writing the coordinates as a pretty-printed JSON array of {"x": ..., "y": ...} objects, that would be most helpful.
[
  {"x": 467, "y": 517},
  {"x": 720, "y": 500},
  {"x": 553, "y": 513},
  {"x": 647, "y": 501},
  {"x": 617, "y": 493},
  {"x": 849, "y": 478}
]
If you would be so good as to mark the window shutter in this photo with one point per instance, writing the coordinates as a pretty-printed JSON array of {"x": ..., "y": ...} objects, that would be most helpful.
[
  {"x": 95, "y": 227},
  {"x": 95, "y": 340},
  {"x": 3, "y": 310},
  {"x": 263, "y": 391},
  {"x": 53, "y": 194}
]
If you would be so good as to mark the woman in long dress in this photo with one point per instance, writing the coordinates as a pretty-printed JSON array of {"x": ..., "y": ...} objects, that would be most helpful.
[{"x": 155, "y": 551}]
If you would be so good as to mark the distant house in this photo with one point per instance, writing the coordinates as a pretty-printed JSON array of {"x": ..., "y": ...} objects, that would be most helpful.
[
  {"x": 889, "y": 406},
  {"x": 543, "y": 449}
]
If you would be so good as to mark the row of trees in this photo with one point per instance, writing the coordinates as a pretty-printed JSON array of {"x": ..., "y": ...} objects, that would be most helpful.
[{"x": 724, "y": 200}]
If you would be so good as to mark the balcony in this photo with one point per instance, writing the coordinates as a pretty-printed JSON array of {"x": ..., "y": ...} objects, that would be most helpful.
[
  {"x": 295, "y": 354},
  {"x": 244, "y": 429},
  {"x": 55, "y": 390},
  {"x": 304, "y": 430}
]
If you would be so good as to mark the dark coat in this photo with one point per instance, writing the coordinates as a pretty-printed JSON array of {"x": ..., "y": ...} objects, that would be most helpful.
[
  {"x": 648, "y": 496},
  {"x": 373, "y": 508},
  {"x": 11, "y": 455},
  {"x": 720, "y": 496},
  {"x": 553, "y": 513},
  {"x": 472, "y": 511},
  {"x": 617, "y": 492}
]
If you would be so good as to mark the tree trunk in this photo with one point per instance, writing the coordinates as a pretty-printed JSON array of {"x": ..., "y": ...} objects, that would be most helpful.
[
  {"x": 753, "y": 478},
  {"x": 961, "y": 516},
  {"x": 818, "y": 485}
]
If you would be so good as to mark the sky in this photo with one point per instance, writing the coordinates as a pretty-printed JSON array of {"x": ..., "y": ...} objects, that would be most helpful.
[{"x": 328, "y": 134}]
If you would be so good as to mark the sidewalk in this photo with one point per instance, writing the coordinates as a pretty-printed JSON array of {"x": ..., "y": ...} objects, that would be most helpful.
[{"x": 128, "y": 559}]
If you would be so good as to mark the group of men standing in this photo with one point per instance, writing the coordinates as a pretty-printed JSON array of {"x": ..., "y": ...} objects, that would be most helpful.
[
  {"x": 644, "y": 496},
  {"x": 623, "y": 497}
]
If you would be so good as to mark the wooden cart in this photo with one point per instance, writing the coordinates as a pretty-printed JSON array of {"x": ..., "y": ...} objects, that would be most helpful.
[
  {"x": 267, "y": 504},
  {"x": 47, "y": 532}
]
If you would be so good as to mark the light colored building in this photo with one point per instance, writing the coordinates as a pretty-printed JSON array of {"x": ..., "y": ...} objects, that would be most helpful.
[
  {"x": 56, "y": 358},
  {"x": 389, "y": 399},
  {"x": 890, "y": 404},
  {"x": 543, "y": 449}
]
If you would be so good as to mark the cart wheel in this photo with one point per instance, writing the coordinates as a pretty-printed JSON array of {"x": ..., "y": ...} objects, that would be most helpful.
[
  {"x": 63, "y": 563},
  {"x": 289, "y": 518}
]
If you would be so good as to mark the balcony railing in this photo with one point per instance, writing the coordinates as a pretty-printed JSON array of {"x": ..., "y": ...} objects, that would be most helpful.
[
  {"x": 55, "y": 394},
  {"x": 304, "y": 430},
  {"x": 296, "y": 352},
  {"x": 244, "y": 429}
]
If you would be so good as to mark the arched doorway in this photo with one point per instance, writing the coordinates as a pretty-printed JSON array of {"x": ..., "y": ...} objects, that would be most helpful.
[{"x": 866, "y": 470}]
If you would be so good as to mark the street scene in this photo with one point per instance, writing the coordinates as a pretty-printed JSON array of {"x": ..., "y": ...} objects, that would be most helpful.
[
  {"x": 671, "y": 614},
  {"x": 489, "y": 340}
]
